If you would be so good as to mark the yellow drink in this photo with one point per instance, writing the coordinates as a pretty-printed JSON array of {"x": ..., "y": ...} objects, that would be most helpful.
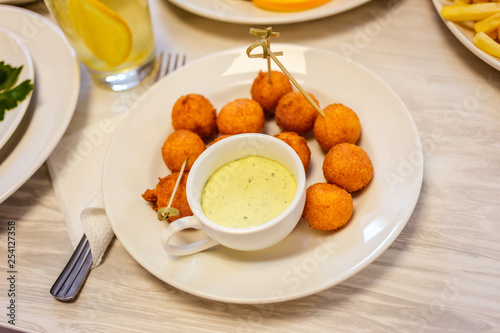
[{"x": 113, "y": 38}]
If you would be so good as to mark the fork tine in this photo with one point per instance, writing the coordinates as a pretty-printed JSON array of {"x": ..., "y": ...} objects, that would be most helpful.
[
  {"x": 74, "y": 273},
  {"x": 167, "y": 67},
  {"x": 169, "y": 63},
  {"x": 160, "y": 66}
]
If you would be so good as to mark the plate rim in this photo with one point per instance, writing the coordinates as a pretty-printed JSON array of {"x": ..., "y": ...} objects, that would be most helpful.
[
  {"x": 388, "y": 240},
  {"x": 34, "y": 161},
  {"x": 278, "y": 18}
]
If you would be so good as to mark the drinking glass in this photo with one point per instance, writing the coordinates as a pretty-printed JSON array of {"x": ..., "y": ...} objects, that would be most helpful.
[{"x": 112, "y": 38}]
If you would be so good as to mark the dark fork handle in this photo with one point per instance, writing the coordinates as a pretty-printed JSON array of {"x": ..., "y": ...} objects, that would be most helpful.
[{"x": 72, "y": 277}]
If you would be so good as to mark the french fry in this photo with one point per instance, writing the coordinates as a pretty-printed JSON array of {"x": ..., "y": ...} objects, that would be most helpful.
[
  {"x": 484, "y": 19},
  {"x": 487, "y": 44},
  {"x": 493, "y": 34},
  {"x": 472, "y": 12},
  {"x": 461, "y": 2},
  {"x": 489, "y": 24}
]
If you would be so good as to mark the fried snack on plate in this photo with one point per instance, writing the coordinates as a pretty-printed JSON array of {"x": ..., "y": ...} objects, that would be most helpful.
[
  {"x": 242, "y": 115},
  {"x": 161, "y": 194},
  {"x": 180, "y": 145},
  {"x": 348, "y": 166},
  {"x": 487, "y": 44},
  {"x": 486, "y": 22},
  {"x": 472, "y": 12},
  {"x": 489, "y": 24},
  {"x": 288, "y": 5},
  {"x": 340, "y": 124},
  {"x": 219, "y": 138},
  {"x": 294, "y": 113},
  {"x": 268, "y": 94},
  {"x": 299, "y": 144},
  {"x": 195, "y": 113},
  {"x": 328, "y": 207}
]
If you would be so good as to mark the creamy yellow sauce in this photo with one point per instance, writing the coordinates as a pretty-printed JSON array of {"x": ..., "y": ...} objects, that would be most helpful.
[{"x": 248, "y": 192}]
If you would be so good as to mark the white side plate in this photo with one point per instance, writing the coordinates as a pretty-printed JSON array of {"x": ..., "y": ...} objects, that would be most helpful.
[
  {"x": 14, "y": 53},
  {"x": 54, "y": 98}
]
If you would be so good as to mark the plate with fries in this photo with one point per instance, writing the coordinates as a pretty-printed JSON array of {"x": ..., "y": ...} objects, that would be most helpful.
[{"x": 476, "y": 24}]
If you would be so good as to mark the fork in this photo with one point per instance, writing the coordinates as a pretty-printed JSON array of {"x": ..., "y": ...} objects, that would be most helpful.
[
  {"x": 169, "y": 63},
  {"x": 70, "y": 281}
]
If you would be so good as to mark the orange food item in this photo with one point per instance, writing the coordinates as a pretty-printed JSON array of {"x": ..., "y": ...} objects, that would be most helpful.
[
  {"x": 180, "y": 145},
  {"x": 299, "y": 144},
  {"x": 328, "y": 207},
  {"x": 219, "y": 138},
  {"x": 195, "y": 113},
  {"x": 288, "y": 5},
  {"x": 242, "y": 115},
  {"x": 348, "y": 166},
  {"x": 269, "y": 94},
  {"x": 340, "y": 124},
  {"x": 160, "y": 195},
  {"x": 294, "y": 113}
]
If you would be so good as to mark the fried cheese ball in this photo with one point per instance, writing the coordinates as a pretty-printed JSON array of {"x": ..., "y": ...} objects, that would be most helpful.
[
  {"x": 160, "y": 195},
  {"x": 219, "y": 138},
  {"x": 242, "y": 115},
  {"x": 299, "y": 144},
  {"x": 294, "y": 113},
  {"x": 195, "y": 113},
  {"x": 348, "y": 166},
  {"x": 180, "y": 145},
  {"x": 340, "y": 124},
  {"x": 268, "y": 94},
  {"x": 328, "y": 207}
]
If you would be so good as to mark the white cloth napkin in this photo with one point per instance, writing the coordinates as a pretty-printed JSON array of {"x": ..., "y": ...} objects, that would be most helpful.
[
  {"x": 76, "y": 169},
  {"x": 76, "y": 164}
]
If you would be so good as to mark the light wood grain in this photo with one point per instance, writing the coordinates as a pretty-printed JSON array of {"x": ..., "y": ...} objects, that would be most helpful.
[{"x": 442, "y": 274}]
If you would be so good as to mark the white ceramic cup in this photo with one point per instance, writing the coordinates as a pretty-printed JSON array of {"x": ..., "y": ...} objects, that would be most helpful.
[{"x": 244, "y": 239}]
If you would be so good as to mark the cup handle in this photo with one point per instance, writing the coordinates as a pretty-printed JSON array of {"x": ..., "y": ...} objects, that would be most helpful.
[{"x": 179, "y": 225}]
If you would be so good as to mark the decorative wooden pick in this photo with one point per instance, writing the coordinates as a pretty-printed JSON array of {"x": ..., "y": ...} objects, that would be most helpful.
[
  {"x": 164, "y": 213},
  {"x": 266, "y": 34},
  {"x": 268, "y": 53}
]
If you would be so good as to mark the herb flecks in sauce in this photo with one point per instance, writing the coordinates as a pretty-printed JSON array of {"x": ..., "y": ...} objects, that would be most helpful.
[{"x": 248, "y": 192}]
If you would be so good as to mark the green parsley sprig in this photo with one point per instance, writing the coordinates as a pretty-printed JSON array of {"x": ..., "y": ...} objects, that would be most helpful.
[{"x": 11, "y": 95}]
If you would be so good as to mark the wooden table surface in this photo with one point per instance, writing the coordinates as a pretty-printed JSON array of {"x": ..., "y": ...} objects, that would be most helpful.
[{"x": 442, "y": 274}]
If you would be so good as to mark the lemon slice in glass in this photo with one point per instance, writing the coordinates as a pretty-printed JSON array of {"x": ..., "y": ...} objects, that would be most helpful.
[{"x": 104, "y": 32}]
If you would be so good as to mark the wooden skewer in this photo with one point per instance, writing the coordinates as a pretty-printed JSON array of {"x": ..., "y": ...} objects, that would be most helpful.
[{"x": 268, "y": 53}]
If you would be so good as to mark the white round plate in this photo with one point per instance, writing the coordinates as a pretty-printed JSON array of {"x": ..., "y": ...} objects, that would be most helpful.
[
  {"x": 15, "y": 54},
  {"x": 244, "y": 12},
  {"x": 466, "y": 36},
  {"x": 307, "y": 261},
  {"x": 53, "y": 102}
]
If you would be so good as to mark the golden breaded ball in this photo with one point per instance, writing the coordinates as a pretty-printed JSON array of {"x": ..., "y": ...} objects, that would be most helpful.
[
  {"x": 340, "y": 124},
  {"x": 195, "y": 113},
  {"x": 219, "y": 138},
  {"x": 161, "y": 194},
  {"x": 299, "y": 144},
  {"x": 268, "y": 94},
  {"x": 348, "y": 166},
  {"x": 328, "y": 207},
  {"x": 294, "y": 113},
  {"x": 242, "y": 115},
  {"x": 180, "y": 145}
]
